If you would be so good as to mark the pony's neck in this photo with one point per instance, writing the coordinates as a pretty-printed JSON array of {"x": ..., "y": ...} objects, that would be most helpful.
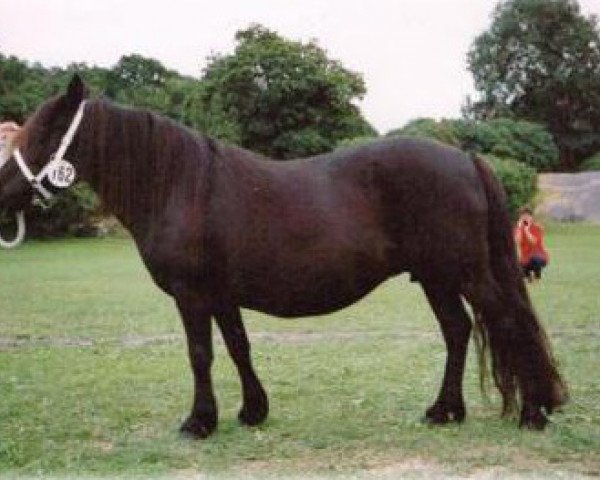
[{"x": 133, "y": 160}]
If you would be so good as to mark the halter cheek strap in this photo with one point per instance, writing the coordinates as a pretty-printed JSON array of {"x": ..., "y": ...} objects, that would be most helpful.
[
  {"x": 33, "y": 180},
  {"x": 36, "y": 180}
]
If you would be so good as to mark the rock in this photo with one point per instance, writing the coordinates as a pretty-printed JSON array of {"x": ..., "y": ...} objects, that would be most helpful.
[{"x": 570, "y": 196}]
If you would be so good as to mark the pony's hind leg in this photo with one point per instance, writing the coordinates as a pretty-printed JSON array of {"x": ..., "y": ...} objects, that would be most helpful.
[
  {"x": 493, "y": 318},
  {"x": 255, "y": 405},
  {"x": 456, "y": 328}
]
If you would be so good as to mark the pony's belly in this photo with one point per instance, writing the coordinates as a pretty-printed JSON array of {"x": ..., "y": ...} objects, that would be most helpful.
[{"x": 316, "y": 296}]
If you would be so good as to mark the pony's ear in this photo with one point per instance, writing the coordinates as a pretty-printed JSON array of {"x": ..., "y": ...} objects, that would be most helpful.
[{"x": 76, "y": 91}]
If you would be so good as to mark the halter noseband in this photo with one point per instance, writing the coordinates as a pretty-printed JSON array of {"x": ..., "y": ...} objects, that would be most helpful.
[{"x": 55, "y": 160}]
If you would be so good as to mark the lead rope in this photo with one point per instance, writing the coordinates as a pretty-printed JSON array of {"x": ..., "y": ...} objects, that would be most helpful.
[
  {"x": 19, "y": 216},
  {"x": 19, "y": 236}
]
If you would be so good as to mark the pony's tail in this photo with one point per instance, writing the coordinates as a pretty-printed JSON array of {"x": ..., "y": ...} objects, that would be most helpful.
[{"x": 521, "y": 358}]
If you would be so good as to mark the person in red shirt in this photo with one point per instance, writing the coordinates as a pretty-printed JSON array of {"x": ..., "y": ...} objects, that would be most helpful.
[{"x": 529, "y": 237}]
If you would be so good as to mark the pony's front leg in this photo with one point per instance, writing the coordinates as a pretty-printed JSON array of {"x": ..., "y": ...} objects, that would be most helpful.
[
  {"x": 255, "y": 405},
  {"x": 195, "y": 310}
]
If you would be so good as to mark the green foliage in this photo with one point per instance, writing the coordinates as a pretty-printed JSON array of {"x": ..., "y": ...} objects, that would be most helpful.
[
  {"x": 282, "y": 98},
  {"x": 540, "y": 60},
  {"x": 135, "y": 71},
  {"x": 592, "y": 163},
  {"x": 354, "y": 142},
  {"x": 443, "y": 130},
  {"x": 144, "y": 82},
  {"x": 70, "y": 213},
  {"x": 22, "y": 88},
  {"x": 519, "y": 181},
  {"x": 526, "y": 142}
]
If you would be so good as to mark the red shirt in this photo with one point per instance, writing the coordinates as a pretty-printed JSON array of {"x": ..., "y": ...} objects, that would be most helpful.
[{"x": 528, "y": 248}]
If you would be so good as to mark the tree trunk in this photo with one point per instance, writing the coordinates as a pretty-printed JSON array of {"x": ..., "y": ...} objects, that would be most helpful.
[{"x": 567, "y": 159}]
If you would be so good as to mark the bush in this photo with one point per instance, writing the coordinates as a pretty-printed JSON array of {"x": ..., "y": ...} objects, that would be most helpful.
[
  {"x": 70, "y": 211},
  {"x": 519, "y": 181},
  {"x": 442, "y": 131},
  {"x": 356, "y": 141},
  {"x": 526, "y": 142},
  {"x": 590, "y": 164}
]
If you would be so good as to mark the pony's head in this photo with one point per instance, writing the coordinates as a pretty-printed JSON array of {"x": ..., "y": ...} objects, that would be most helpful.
[{"x": 37, "y": 141}]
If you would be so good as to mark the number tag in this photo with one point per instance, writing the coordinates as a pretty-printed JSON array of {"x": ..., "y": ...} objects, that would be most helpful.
[{"x": 61, "y": 174}]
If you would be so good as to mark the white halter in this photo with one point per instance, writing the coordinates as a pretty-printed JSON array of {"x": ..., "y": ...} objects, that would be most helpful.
[
  {"x": 36, "y": 180},
  {"x": 56, "y": 160}
]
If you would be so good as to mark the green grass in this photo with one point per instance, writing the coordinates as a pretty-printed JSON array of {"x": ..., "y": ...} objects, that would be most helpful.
[{"x": 78, "y": 396}]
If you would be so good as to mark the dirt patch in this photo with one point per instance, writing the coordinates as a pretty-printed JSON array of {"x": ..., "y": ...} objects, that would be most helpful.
[
  {"x": 316, "y": 337},
  {"x": 104, "y": 446},
  {"x": 413, "y": 468},
  {"x": 143, "y": 341},
  {"x": 133, "y": 341},
  {"x": 22, "y": 341},
  {"x": 409, "y": 468},
  {"x": 392, "y": 465}
]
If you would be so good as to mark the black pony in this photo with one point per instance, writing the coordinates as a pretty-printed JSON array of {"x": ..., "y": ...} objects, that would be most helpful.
[{"x": 221, "y": 228}]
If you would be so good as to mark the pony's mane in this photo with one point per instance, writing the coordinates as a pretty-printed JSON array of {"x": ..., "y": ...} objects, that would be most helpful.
[{"x": 135, "y": 155}]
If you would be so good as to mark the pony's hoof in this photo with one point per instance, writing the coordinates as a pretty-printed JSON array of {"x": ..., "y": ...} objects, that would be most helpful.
[
  {"x": 254, "y": 415},
  {"x": 196, "y": 428},
  {"x": 255, "y": 409},
  {"x": 533, "y": 419},
  {"x": 439, "y": 414}
]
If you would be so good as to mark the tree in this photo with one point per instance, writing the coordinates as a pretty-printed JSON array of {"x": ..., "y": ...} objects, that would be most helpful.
[
  {"x": 281, "y": 98},
  {"x": 136, "y": 71},
  {"x": 540, "y": 60},
  {"x": 525, "y": 142},
  {"x": 145, "y": 82},
  {"x": 22, "y": 88}
]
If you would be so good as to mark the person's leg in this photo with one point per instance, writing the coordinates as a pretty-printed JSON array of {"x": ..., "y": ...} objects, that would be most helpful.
[
  {"x": 527, "y": 270},
  {"x": 537, "y": 264}
]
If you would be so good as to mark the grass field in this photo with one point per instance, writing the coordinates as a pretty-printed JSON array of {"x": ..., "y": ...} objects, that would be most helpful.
[{"x": 94, "y": 378}]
